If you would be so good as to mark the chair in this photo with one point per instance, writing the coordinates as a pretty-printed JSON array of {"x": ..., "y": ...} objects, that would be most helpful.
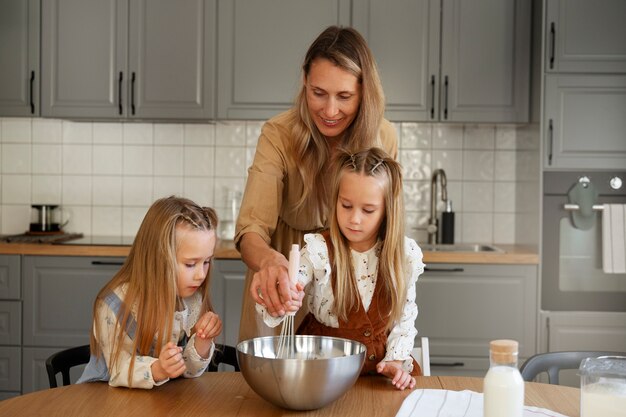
[
  {"x": 553, "y": 362},
  {"x": 421, "y": 355},
  {"x": 223, "y": 354},
  {"x": 63, "y": 361}
]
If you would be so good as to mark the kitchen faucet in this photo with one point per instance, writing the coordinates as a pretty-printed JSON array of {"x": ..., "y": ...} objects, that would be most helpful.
[{"x": 433, "y": 223}]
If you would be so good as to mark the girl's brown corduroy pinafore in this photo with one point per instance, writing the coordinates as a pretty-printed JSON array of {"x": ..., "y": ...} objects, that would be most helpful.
[{"x": 368, "y": 327}]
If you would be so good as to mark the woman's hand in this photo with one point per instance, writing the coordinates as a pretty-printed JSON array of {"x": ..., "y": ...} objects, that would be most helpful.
[
  {"x": 272, "y": 288},
  {"x": 393, "y": 370},
  {"x": 208, "y": 327},
  {"x": 170, "y": 363}
]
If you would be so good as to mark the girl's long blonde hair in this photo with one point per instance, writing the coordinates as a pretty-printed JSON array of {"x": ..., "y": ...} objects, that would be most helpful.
[
  {"x": 149, "y": 273},
  {"x": 348, "y": 50},
  {"x": 373, "y": 162}
]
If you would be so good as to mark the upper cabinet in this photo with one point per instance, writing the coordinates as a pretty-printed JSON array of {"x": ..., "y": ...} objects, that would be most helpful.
[
  {"x": 450, "y": 60},
  {"x": 585, "y": 36},
  {"x": 261, "y": 48},
  {"x": 19, "y": 57},
  {"x": 128, "y": 58},
  {"x": 583, "y": 125}
]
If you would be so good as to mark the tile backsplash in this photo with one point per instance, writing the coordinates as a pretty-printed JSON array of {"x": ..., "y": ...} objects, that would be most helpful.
[{"x": 106, "y": 175}]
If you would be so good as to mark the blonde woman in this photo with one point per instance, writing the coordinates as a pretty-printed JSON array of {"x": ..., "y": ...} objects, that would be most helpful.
[
  {"x": 154, "y": 321},
  {"x": 360, "y": 276},
  {"x": 341, "y": 103}
]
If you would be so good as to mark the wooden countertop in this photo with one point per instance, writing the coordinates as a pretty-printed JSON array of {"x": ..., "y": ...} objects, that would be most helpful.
[
  {"x": 227, "y": 394},
  {"x": 513, "y": 254}
]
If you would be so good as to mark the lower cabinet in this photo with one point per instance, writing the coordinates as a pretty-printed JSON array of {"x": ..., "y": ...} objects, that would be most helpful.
[
  {"x": 581, "y": 330},
  {"x": 462, "y": 307},
  {"x": 10, "y": 326},
  {"x": 227, "y": 287},
  {"x": 58, "y": 296}
]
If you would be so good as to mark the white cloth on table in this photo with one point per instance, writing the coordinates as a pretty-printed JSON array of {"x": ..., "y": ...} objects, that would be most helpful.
[
  {"x": 445, "y": 403},
  {"x": 614, "y": 238}
]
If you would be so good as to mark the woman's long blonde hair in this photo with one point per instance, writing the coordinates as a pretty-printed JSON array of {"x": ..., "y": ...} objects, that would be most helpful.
[
  {"x": 346, "y": 49},
  {"x": 149, "y": 274},
  {"x": 373, "y": 162}
]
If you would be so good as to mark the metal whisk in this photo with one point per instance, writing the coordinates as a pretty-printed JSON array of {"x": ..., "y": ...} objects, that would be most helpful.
[{"x": 287, "y": 339}]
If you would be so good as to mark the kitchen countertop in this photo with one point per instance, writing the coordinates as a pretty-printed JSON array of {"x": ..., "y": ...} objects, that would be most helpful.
[{"x": 513, "y": 254}]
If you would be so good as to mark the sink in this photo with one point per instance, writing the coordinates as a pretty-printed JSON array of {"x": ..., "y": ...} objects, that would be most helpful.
[{"x": 460, "y": 247}]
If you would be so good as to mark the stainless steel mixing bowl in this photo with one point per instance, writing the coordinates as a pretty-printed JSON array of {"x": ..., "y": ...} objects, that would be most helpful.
[{"x": 321, "y": 370}]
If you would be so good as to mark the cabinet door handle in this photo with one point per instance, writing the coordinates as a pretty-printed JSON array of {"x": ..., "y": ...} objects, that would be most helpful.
[
  {"x": 449, "y": 365},
  {"x": 102, "y": 263},
  {"x": 132, "y": 94},
  {"x": 552, "y": 44},
  {"x": 427, "y": 269},
  {"x": 32, "y": 92},
  {"x": 550, "y": 141},
  {"x": 120, "y": 109},
  {"x": 432, "y": 97},
  {"x": 445, "y": 96}
]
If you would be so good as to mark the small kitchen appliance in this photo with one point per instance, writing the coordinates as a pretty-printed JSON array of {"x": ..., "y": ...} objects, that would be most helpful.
[{"x": 46, "y": 218}]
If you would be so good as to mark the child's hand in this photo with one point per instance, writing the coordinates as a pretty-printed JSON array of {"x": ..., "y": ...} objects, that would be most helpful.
[
  {"x": 399, "y": 378},
  {"x": 296, "y": 298},
  {"x": 170, "y": 363},
  {"x": 208, "y": 326}
]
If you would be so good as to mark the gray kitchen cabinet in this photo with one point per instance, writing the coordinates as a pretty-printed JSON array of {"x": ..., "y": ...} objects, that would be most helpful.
[
  {"x": 261, "y": 48},
  {"x": 585, "y": 36},
  {"x": 584, "y": 121},
  {"x": 227, "y": 287},
  {"x": 450, "y": 60},
  {"x": 462, "y": 307},
  {"x": 10, "y": 326},
  {"x": 128, "y": 59},
  {"x": 582, "y": 330},
  {"x": 59, "y": 292},
  {"x": 19, "y": 58}
]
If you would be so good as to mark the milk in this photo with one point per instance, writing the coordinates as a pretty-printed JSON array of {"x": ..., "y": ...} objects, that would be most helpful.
[
  {"x": 603, "y": 400},
  {"x": 503, "y": 392}
]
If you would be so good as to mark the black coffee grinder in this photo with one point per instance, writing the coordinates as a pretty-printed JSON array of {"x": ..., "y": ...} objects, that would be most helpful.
[{"x": 45, "y": 219}]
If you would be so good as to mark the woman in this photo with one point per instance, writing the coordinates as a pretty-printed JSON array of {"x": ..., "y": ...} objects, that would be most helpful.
[{"x": 340, "y": 104}]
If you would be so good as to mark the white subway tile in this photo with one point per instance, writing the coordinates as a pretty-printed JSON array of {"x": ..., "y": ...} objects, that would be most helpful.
[
  {"x": 168, "y": 160},
  {"x": 167, "y": 186},
  {"x": 46, "y": 189},
  {"x": 168, "y": 134},
  {"x": 15, "y": 218},
  {"x": 415, "y": 136},
  {"x": 479, "y": 137},
  {"x": 137, "y": 133},
  {"x": 131, "y": 219},
  {"x": 506, "y": 165},
  {"x": 106, "y": 221},
  {"x": 77, "y": 132},
  {"x": 199, "y": 161},
  {"x": 506, "y": 137},
  {"x": 199, "y": 135},
  {"x": 476, "y": 227},
  {"x": 478, "y": 165},
  {"x": 77, "y": 190},
  {"x": 416, "y": 164},
  {"x": 16, "y": 158},
  {"x": 451, "y": 161},
  {"x": 447, "y": 136},
  {"x": 200, "y": 190},
  {"x": 107, "y": 159},
  {"x": 78, "y": 219},
  {"x": 230, "y": 162},
  {"x": 504, "y": 228},
  {"x": 108, "y": 133},
  {"x": 137, "y": 191},
  {"x": 107, "y": 190},
  {"x": 16, "y": 189},
  {"x": 16, "y": 130},
  {"x": 253, "y": 131},
  {"x": 504, "y": 197},
  {"x": 230, "y": 133},
  {"x": 478, "y": 197},
  {"x": 47, "y": 131},
  {"x": 47, "y": 159},
  {"x": 137, "y": 160},
  {"x": 77, "y": 159},
  {"x": 222, "y": 189}
]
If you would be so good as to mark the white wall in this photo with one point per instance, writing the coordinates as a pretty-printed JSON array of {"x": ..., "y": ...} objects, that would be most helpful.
[{"x": 107, "y": 174}]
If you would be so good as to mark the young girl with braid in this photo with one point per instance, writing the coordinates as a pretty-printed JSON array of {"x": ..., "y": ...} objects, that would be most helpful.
[
  {"x": 154, "y": 321},
  {"x": 359, "y": 277}
]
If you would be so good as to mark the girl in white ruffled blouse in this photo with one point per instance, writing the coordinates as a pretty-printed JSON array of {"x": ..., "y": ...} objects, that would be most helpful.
[
  {"x": 154, "y": 321},
  {"x": 360, "y": 276}
]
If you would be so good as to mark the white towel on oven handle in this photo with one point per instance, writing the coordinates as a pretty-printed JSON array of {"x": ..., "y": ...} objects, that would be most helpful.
[
  {"x": 614, "y": 238},
  {"x": 440, "y": 403}
]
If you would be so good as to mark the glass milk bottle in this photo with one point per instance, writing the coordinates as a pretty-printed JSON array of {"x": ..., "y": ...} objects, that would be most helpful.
[{"x": 503, "y": 386}]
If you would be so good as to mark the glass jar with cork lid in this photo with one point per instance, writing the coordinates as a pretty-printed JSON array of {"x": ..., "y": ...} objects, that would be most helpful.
[{"x": 503, "y": 388}]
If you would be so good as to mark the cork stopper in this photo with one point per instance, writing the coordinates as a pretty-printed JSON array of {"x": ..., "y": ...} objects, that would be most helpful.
[{"x": 503, "y": 351}]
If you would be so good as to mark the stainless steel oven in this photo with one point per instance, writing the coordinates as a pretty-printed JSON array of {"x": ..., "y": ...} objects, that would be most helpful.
[{"x": 572, "y": 275}]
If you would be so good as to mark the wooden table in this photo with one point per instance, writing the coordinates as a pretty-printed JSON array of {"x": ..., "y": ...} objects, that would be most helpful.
[{"x": 227, "y": 394}]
